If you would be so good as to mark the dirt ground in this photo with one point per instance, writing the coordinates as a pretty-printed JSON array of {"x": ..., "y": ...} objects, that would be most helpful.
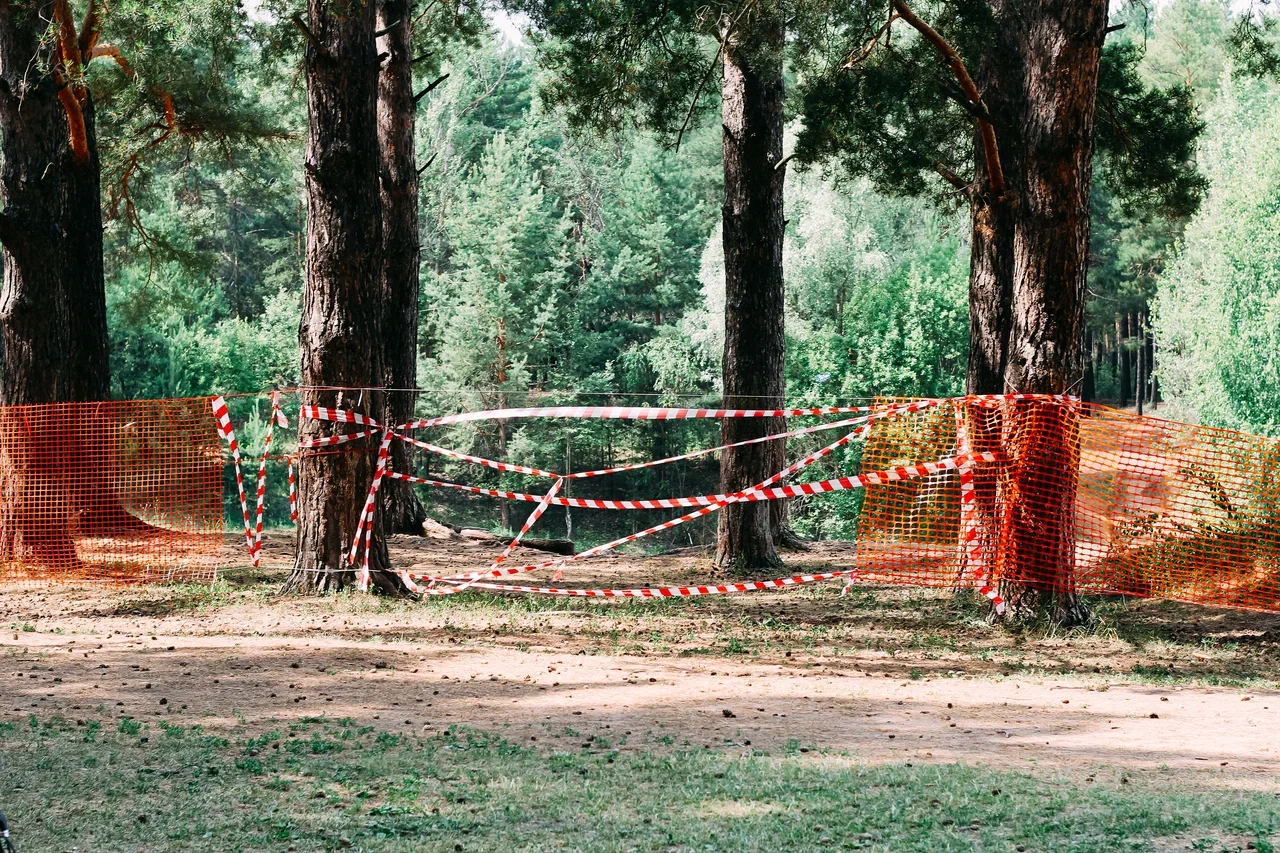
[{"x": 1158, "y": 693}]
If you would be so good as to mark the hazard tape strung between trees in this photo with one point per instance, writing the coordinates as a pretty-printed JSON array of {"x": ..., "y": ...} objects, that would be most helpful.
[
  {"x": 707, "y": 503},
  {"x": 223, "y": 419},
  {"x": 970, "y": 541},
  {"x": 962, "y": 461},
  {"x": 293, "y": 490},
  {"x": 276, "y": 417},
  {"x": 757, "y": 492},
  {"x": 799, "y": 490},
  {"x": 660, "y": 591},
  {"x": 364, "y": 526}
]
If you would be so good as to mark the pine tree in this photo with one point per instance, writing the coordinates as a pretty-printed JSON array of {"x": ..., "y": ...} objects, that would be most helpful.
[
  {"x": 995, "y": 103},
  {"x": 598, "y": 53}
]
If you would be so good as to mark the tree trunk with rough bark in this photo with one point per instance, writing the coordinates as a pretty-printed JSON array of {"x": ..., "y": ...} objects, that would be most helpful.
[
  {"x": 398, "y": 181},
  {"x": 342, "y": 304},
  {"x": 1060, "y": 45},
  {"x": 53, "y": 316},
  {"x": 752, "y": 115}
]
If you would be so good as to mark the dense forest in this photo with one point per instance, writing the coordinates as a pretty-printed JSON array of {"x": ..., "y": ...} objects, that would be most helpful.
[
  {"x": 556, "y": 203},
  {"x": 602, "y": 255}
]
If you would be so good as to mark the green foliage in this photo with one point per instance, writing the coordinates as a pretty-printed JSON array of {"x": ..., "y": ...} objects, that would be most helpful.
[
  {"x": 1189, "y": 46},
  {"x": 1147, "y": 136},
  {"x": 878, "y": 293},
  {"x": 1215, "y": 314},
  {"x": 1255, "y": 43},
  {"x": 882, "y": 117},
  {"x": 893, "y": 115},
  {"x": 618, "y": 66}
]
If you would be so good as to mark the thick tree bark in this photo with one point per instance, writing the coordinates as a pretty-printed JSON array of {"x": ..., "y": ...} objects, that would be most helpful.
[
  {"x": 991, "y": 216},
  {"x": 1059, "y": 44},
  {"x": 398, "y": 181},
  {"x": 53, "y": 315},
  {"x": 342, "y": 305},
  {"x": 752, "y": 102}
]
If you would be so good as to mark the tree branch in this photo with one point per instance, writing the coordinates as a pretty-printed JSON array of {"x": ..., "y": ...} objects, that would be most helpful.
[
  {"x": 306, "y": 31},
  {"x": 89, "y": 29},
  {"x": 715, "y": 60},
  {"x": 427, "y": 165},
  {"x": 432, "y": 85},
  {"x": 112, "y": 52},
  {"x": 693, "y": 102},
  {"x": 950, "y": 176},
  {"x": 870, "y": 45},
  {"x": 388, "y": 28},
  {"x": 76, "y": 132},
  {"x": 990, "y": 149}
]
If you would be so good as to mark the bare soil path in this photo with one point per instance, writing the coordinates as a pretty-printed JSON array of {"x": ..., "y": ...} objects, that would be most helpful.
[{"x": 883, "y": 675}]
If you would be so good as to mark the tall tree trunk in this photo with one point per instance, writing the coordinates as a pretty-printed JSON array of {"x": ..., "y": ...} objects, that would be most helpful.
[
  {"x": 342, "y": 304},
  {"x": 1141, "y": 397},
  {"x": 990, "y": 291},
  {"x": 1087, "y": 391},
  {"x": 1149, "y": 353},
  {"x": 754, "y": 342},
  {"x": 1114, "y": 353},
  {"x": 1060, "y": 42},
  {"x": 53, "y": 314},
  {"x": 403, "y": 513},
  {"x": 1125, "y": 379}
]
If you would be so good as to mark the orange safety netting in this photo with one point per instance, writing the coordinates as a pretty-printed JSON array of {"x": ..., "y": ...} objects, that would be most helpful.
[
  {"x": 996, "y": 493},
  {"x": 121, "y": 492},
  {"x": 1157, "y": 508}
]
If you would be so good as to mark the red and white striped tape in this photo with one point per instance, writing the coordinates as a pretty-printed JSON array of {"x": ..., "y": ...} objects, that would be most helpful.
[
  {"x": 652, "y": 592},
  {"x": 666, "y": 525},
  {"x": 488, "y": 463},
  {"x": 970, "y": 539},
  {"x": 276, "y": 416},
  {"x": 963, "y": 461},
  {"x": 756, "y": 493},
  {"x": 762, "y": 494},
  {"x": 293, "y": 491},
  {"x": 223, "y": 419},
  {"x": 366, "y": 515},
  {"x": 645, "y": 413},
  {"x": 635, "y": 466},
  {"x": 529, "y": 522},
  {"x": 330, "y": 440},
  {"x": 320, "y": 413}
]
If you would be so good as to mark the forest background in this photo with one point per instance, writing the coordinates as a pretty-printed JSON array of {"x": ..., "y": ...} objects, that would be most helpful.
[{"x": 568, "y": 266}]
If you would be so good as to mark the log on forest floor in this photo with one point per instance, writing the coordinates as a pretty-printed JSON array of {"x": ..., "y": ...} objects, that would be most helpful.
[{"x": 436, "y": 530}]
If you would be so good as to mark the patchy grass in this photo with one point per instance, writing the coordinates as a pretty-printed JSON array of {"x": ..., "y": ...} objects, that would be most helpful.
[{"x": 329, "y": 784}]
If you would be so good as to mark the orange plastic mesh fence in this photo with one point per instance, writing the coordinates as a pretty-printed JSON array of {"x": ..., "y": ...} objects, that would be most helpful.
[
  {"x": 1080, "y": 497},
  {"x": 120, "y": 492},
  {"x": 1083, "y": 498}
]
